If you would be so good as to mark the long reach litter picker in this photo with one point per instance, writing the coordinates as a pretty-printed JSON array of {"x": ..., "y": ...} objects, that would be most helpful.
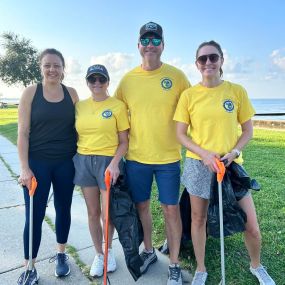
[
  {"x": 108, "y": 186},
  {"x": 32, "y": 190},
  {"x": 220, "y": 176}
]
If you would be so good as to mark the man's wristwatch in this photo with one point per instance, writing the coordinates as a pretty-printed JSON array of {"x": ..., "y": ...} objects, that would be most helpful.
[{"x": 237, "y": 152}]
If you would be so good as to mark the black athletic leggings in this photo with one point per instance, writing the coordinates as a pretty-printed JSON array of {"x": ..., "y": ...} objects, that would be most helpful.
[{"x": 60, "y": 174}]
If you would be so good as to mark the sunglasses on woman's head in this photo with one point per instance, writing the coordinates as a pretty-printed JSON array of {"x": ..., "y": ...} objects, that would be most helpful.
[
  {"x": 93, "y": 79},
  {"x": 213, "y": 57},
  {"x": 155, "y": 41}
]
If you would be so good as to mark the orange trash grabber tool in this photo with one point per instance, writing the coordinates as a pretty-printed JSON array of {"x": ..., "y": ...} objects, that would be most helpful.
[
  {"x": 220, "y": 176},
  {"x": 108, "y": 186},
  {"x": 32, "y": 190}
]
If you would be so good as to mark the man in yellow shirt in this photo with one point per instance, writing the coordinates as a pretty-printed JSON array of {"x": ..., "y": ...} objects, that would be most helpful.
[{"x": 151, "y": 92}]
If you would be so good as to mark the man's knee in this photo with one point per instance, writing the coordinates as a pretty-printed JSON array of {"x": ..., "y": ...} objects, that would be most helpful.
[
  {"x": 171, "y": 211},
  {"x": 143, "y": 207}
]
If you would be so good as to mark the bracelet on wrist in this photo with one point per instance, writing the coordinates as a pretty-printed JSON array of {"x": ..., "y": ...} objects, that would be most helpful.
[{"x": 236, "y": 152}]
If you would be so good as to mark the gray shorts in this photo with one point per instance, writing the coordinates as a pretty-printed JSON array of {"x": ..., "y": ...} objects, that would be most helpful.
[
  {"x": 90, "y": 169},
  {"x": 197, "y": 178}
]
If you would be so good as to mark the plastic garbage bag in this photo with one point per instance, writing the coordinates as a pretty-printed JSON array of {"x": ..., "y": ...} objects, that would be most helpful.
[
  {"x": 125, "y": 218},
  {"x": 234, "y": 216}
]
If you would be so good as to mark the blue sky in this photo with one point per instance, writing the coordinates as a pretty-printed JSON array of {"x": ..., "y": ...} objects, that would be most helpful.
[{"x": 251, "y": 33}]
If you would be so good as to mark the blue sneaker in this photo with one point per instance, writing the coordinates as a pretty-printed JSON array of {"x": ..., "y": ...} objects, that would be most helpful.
[
  {"x": 148, "y": 258},
  {"x": 29, "y": 277},
  {"x": 174, "y": 275},
  {"x": 62, "y": 267}
]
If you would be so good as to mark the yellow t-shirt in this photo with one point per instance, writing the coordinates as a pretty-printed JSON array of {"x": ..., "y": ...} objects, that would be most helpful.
[
  {"x": 151, "y": 98},
  {"x": 98, "y": 124},
  {"x": 213, "y": 115}
]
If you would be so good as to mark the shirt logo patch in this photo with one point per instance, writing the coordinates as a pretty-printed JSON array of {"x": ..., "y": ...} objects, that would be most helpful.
[
  {"x": 166, "y": 83},
  {"x": 229, "y": 105},
  {"x": 107, "y": 114}
]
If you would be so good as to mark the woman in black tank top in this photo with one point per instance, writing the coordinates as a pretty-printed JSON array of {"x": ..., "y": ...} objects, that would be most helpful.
[{"x": 46, "y": 145}]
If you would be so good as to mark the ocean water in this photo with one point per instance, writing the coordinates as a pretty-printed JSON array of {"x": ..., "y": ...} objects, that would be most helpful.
[
  {"x": 265, "y": 106},
  {"x": 261, "y": 106}
]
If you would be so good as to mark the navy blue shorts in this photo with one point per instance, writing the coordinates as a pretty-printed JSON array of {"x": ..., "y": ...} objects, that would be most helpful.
[{"x": 140, "y": 178}]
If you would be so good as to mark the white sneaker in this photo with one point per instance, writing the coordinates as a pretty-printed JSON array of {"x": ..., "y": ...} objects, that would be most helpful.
[
  {"x": 199, "y": 278},
  {"x": 112, "y": 266},
  {"x": 261, "y": 274},
  {"x": 97, "y": 266}
]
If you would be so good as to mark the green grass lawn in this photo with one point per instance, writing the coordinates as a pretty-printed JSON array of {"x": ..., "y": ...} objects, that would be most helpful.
[
  {"x": 8, "y": 123},
  {"x": 264, "y": 161}
]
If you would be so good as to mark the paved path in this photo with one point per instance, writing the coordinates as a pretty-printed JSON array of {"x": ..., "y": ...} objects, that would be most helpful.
[{"x": 11, "y": 246}]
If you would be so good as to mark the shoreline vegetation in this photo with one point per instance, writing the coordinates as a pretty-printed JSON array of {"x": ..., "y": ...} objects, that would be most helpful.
[{"x": 269, "y": 124}]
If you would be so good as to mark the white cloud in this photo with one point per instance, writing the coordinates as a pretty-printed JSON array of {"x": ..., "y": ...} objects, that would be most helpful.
[
  {"x": 274, "y": 53},
  {"x": 237, "y": 67},
  {"x": 270, "y": 76},
  {"x": 117, "y": 65},
  {"x": 189, "y": 69},
  {"x": 73, "y": 66},
  {"x": 114, "y": 62},
  {"x": 278, "y": 59},
  {"x": 10, "y": 91}
]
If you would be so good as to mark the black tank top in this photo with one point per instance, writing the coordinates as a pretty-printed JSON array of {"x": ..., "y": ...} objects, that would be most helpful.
[{"x": 52, "y": 132}]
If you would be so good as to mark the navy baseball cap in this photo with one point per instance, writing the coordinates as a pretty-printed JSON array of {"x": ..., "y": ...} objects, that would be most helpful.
[
  {"x": 151, "y": 28},
  {"x": 97, "y": 69}
]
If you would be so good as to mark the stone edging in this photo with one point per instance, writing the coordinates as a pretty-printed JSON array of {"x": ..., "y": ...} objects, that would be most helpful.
[{"x": 269, "y": 124}]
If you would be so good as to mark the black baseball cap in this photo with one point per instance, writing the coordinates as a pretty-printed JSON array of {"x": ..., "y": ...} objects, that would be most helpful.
[
  {"x": 151, "y": 28},
  {"x": 97, "y": 69}
]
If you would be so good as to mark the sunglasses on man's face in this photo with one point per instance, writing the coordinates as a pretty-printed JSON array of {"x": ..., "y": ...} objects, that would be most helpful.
[
  {"x": 213, "y": 57},
  {"x": 101, "y": 79},
  {"x": 155, "y": 42}
]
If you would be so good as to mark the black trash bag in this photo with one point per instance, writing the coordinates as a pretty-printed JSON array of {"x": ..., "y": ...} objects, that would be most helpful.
[
  {"x": 185, "y": 213},
  {"x": 240, "y": 180},
  {"x": 234, "y": 217},
  {"x": 125, "y": 218},
  {"x": 254, "y": 185}
]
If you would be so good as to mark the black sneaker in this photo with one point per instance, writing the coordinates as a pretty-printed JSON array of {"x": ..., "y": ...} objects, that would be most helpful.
[
  {"x": 148, "y": 258},
  {"x": 62, "y": 267},
  {"x": 174, "y": 275},
  {"x": 29, "y": 277}
]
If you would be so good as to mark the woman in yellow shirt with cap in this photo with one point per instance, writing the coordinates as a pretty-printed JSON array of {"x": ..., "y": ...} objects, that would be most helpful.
[{"x": 102, "y": 125}]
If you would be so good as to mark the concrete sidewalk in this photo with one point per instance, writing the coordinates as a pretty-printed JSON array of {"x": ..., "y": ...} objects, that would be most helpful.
[{"x": 11, "y": 245}]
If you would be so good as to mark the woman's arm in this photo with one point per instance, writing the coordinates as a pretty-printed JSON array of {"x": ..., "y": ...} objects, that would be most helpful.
[
  {"x": 207, "y": 157},
  {"x": 24, "y": 122},
  {"x": 113, "y": 167},
  {"x": 246, "y": 135},
  {"x": 73, "y": 94}
]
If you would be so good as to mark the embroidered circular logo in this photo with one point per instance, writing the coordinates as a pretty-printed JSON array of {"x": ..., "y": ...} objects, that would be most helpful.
[
  {"x": 229, "y": 105},
  {"x": 107, "y": 114},
  {"x": 166, "y": 83}
]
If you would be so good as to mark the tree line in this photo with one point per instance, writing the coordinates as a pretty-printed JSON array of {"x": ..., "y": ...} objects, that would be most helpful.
[{"x": 19, "y": 63}]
